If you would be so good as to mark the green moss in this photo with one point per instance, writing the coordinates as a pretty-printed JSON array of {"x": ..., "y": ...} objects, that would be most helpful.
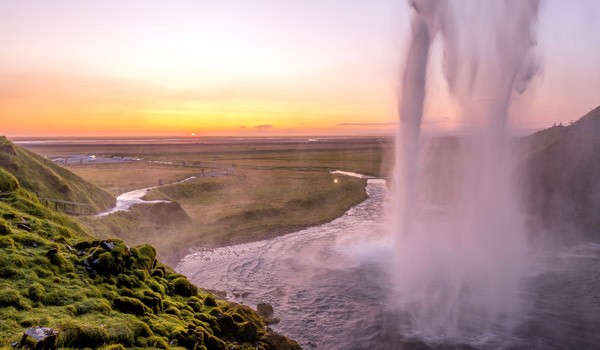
[
  {"x": 12, "y": 297},
  {"x": 248, "y": 332},
  {"x": 146, "y": 256},
  {"x": 8, "y": 182},
  {"x": 36, "y": 292},
  {"x": 113, "y": 347},
  {"x": 82, "y": 335},
  {"x": 93, "y": 305},
  {"x": 183, "y": 287},
  {"x": 130, "y": 306},
  {"x": 5, "y": 227},
  {"x": 7, "y": 243},
  {"x": 209, "y": 300}
]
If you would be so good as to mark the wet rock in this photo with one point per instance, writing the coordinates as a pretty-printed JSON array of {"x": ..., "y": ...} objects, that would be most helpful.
[
  {"x": 271, "y": 320},
  {"x": 277, "y": 341},
  {"x": 264, "y": 309},
  {"x": 219, "y": 293},
  {"x": 23, "y": 226},
  {"x": 40, "y": 338},
  {"x": 108, "y": 245},
  {"x": 239, "y": 293},
  {"x": 84, "y": 245}
]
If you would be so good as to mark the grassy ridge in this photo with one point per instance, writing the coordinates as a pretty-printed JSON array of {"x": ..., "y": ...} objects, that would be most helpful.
[
  {"x": 41, "y": 176},
  {"x": 103, "y": 293}
]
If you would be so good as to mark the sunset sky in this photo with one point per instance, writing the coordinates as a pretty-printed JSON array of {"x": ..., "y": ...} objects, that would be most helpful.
[{"x": 262, "y": 67}]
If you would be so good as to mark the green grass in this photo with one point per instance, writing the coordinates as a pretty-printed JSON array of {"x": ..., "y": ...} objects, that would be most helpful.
[
  {"x": 39, "y": 175},
  {"x": 100, "y": 294}
]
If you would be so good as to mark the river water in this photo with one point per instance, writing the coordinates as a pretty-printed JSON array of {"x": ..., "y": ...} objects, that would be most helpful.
[
  {"x": 128, "y": 199},
  {"x": 330, "y": 287}
]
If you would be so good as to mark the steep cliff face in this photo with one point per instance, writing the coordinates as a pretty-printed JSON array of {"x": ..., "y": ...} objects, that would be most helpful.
[
  {"x": 60, "y": 287},
  {"x": 39, "y": 175},
  {"x": 562, "y": 167}
]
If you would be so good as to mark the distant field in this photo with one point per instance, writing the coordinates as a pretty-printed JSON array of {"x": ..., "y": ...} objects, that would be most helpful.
[{"x": 270, "y": 189}]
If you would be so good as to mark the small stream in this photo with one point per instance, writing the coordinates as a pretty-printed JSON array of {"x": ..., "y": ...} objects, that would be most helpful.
[{"x": 131, "y": 198}]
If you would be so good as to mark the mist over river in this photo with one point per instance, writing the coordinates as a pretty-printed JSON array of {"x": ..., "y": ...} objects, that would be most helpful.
[{"x": 331, "y": 287}]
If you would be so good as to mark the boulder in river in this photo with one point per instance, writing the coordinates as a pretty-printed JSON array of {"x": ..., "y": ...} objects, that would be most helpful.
[{"x": 264, "y": 309}]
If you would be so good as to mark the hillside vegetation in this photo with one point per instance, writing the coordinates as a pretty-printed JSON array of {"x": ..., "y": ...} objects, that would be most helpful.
[
  {"x": 562, "y": 169},
  {"x": 94, "y": 293},
  {"x": 39, "y": 175}
]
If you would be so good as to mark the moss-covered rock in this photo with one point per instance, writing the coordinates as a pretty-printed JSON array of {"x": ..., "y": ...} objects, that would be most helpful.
[
  {"x": 183, "y": 287},
  {"x": 130, "y": 306}
]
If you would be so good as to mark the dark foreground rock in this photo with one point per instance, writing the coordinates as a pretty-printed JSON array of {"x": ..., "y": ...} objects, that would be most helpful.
[
  {"x": 264, "y": 309},
  {"x": 39, "y": 338}
]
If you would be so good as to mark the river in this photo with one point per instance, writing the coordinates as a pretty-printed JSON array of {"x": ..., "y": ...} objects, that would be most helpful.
[{"x": 329, "y": 286}]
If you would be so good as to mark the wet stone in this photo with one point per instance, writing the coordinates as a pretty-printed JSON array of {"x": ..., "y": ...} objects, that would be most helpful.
[
  {"x": 40, "y": 338},
  {"x": 107, "y": 245},
  {"x": 24, "y": 227},
  {"x": 264, "y": 309}
]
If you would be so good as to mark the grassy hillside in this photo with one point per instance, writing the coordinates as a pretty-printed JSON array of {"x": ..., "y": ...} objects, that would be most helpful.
[
  {"x": 103, "y": 294},
  {"x": 39, "y": 175},
  {"x": 563, "y": 176}
]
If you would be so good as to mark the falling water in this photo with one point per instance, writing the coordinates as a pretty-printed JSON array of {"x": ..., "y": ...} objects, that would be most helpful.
[{"x": 457, "y": 272}]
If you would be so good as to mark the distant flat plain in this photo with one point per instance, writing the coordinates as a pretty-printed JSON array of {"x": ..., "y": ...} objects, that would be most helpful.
[{"x": 243, "y": 189}]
